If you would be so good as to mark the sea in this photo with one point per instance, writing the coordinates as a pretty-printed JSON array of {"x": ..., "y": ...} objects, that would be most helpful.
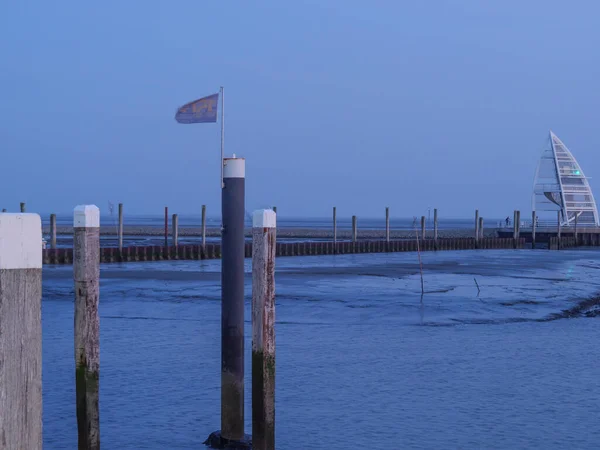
[{"x": 500, "y": 351}]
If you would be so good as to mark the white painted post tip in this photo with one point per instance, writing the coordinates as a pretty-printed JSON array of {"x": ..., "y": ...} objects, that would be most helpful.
[
  {"x": 86, "y": 216},
  {"x": 20, "y": 241},
  {"x": 234, "y": 168},
  {"x": 264, "y": 218}
]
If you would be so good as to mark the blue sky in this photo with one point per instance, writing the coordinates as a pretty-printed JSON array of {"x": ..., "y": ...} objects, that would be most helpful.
[{"x": 356, "y": 104}]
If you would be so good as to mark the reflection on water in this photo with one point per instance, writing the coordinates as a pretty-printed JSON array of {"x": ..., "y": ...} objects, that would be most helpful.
[{"x": 361, "y": 354}]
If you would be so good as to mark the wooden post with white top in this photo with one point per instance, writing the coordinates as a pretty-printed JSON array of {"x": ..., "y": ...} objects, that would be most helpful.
[
  {"x": 264, "y": 228},
  {"x": 86, "y": 274},
  {"x": 20, "y": 331}
]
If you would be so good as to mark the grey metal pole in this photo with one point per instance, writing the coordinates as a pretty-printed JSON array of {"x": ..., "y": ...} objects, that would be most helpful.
[
  {"x": 52, "y": 230},
  {"x": 21, "y": 332},
  {"x": 423, "y": 227},
  {"x": 334, "y": 225},
  {"x": 175, "y": 229},
  {"x": 203, "y": 226},
  {"x": 22, "y": 206},
  {"x": 533, "y": 227},
  {"x": 435, "y": 226},
  {"x": 264, "y": 228},
  {"x": 354, "y": 230},
  {"x": 387, "y": 224},
  {"x": 86, "y": 274},
  {"x": 120, "y": 227},
  {"x": 232, "y": 299}
]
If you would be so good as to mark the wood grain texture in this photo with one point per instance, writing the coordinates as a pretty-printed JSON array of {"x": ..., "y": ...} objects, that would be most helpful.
[
  {"x": 86, "y": 271},
  {"x": 263, "y": 338},
  {"x": 20, "y": 359}
]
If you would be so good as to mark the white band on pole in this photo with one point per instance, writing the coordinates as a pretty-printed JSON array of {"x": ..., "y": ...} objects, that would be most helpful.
[{"x": 234, "y": 168}]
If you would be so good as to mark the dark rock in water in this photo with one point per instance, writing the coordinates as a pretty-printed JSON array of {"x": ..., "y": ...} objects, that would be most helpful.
[{"x": 215, "y": 440}]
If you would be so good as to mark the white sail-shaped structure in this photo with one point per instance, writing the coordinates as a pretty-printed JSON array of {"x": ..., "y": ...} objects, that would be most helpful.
[{"x": 560, "y": 185}]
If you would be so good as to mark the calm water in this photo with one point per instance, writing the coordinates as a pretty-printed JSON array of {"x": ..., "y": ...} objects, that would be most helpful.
[{"x": 362, "y": 363}]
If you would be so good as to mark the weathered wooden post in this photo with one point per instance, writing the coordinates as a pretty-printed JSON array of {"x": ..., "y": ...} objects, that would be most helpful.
[
  {"x": 480, "y": 228},
  {"x": 576, "y": 240},
  {"x": 203, "y": 226},
  {"x": 232, "y": 299},
  {"x": 52, "y": 230},
  {"x": 21, "y": 332},
  {"x": 263, "y": 329},
  {"x": 334, "y": 225},
  {"x": 476, "y": 228},
  {"x": 518, "y": 224},
  {"x": 175, "y": 229},
  {"x": 435, "y": 228},
  {"x": 86, "y": 274},
  {"x": 558, "y": 225},
  {"x": 533, "y": 227},
  {"x": 22, "y": 205},
  {"x": 120, "y": 227},
  {"x": 515, "y": 228},
  {"x": 166, "y": 226},
  {"x": 354, "y": 231},
  {"x": 423, "y": 227},
  {"x": 387, "y": 224}
]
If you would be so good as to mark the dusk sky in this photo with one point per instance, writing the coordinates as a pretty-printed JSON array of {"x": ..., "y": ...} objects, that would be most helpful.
[{"x": 357, "y": 104}]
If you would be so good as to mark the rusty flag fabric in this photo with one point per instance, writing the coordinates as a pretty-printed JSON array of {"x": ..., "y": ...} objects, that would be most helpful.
[{"x": 203, "y": 110}]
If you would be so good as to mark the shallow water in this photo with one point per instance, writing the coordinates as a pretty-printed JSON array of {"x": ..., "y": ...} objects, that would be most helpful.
[{"x": 362, "y": 362}]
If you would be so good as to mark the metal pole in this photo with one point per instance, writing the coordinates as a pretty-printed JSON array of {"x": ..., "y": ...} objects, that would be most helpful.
[
  {"x": 120, "y": 227},
  {"x": 387, "y": 224},
  {"x": 21, "y": 332},
  {"x": 264, "y": 227},
  {"x": 533, "y": 227},
  {"x": 232, "y": 299},
  {"x": 86, "y": 274},
  {"x": 166, "y": 226},
  {"x": 175, "y": 229},
  {"x": 203, "y": 226},
  {"x": 52, "y": 230}
]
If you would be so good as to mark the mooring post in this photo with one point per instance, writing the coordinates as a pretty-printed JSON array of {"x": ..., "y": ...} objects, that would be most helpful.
[
  {"x": 387, "y": 224},
  {"x": 558, "y": 225},
  {"x": 334, "y": 225},
  {"x": 354, "y": 231},
  {"x": 21, "y": 332},
  {"x": 518, "y": 224},
  {"x": 576, "y": 240},
  {"x": 515, "y": 229},
  {"x": 423, "y": 228},
  {"x": 232, "y": 299},
  {"x": 175, "y": 229},
  {"x": 263, "y": 329},
  {"x": 533, "y": 227},
  {"x": 435, "y": 228},
  {"x": 22, "y": 205},
  {"x": 480, "y": 228},
  {"x": 476, "y": 228},
  {"x": 86, "y": 274},
  {"x": 203, "y": 226},
  {"x": 52, "y": 230},
  {"x": 120, "y": 227},
  {"x": 275, "y": 209},
  {"x": 166, "y": 226}
]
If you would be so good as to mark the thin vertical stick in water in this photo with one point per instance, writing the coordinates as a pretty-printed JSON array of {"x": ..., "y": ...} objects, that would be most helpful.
[{"x": 420, "y": 262}]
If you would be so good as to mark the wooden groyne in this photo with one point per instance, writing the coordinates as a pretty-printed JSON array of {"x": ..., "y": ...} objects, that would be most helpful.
[{"x": 213, "y": 251}]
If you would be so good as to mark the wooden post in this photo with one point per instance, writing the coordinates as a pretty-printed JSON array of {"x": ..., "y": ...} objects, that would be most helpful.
[
  {"x": 480, "y": 228},
  {"x": 120, "y": 231},
  {"x": 175, "y": 229},
  {"x": 576, "y": 240},
  {"x": 22, "y": 205},
  {"x": 203, "y": 226},
  {"x": 387, "y": 224},
  {"x": 435, "y": 227},
  {"x": 275, "y": 209},
  {"x": 52, "y": 230},
  {"x": 21, "y": 332},
  {"x": 476, "y": 227},
  {"x": 423, "y": 227},
  {"x": 518, "y": 224},
  {"x": 334, "y": 225},
  {"x": 558, "y": 224},
  {"x": 86, "y": 273},
  {"x": 515, "y": 228},
  {"x": 263, "y": 329},
  {"x": 533, "y": 227},
  {"x": 354, "y": 231},
  {"x": 3, "y": 210},
  {"x": 166, "y": 226}
]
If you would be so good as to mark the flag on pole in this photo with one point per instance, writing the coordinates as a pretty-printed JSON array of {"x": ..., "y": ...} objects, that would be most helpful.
[{"x": 203, "y": 110}]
